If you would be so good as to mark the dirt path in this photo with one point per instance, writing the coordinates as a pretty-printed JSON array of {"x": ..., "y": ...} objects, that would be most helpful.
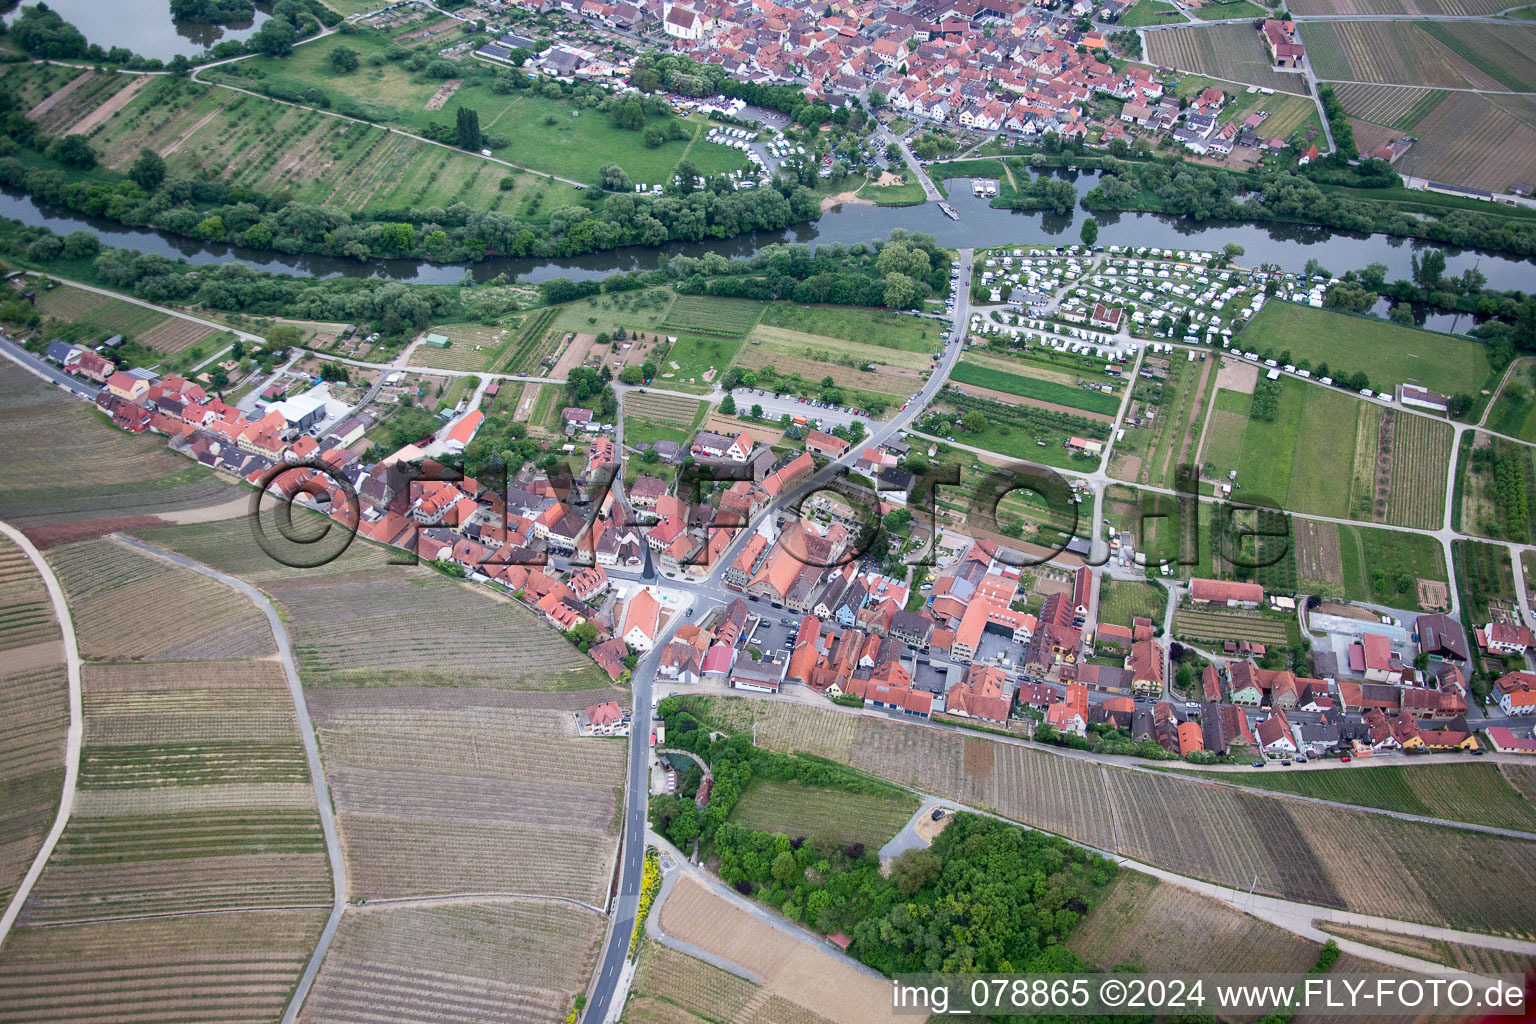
[
  {"x": 1034, "y": 403},
  {"x": 117, "y": 101},
  {"x": 1199, "y": 404},
  {"x": 55, "y": 98}
]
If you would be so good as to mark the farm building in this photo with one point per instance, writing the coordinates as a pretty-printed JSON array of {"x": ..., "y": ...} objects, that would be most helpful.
[
  {"x": 1224, "y": 592},
  {"x": 463, "y": 432},
  {"x": 1415, "y": 397},
  {"x": 435, "y": 341}
]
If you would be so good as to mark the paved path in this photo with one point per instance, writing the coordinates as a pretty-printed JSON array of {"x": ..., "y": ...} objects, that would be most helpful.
[
  {"x": 311, "y": 753},
  {"x": 72, "y": 738}
]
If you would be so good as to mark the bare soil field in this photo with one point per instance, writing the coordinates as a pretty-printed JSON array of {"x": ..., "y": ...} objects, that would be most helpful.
[
  {"x": 795, "y": 970},
  {"x": 175, "y": 335},
  {"x": 1317, "y": 552},
  {"x": 489, "y": 961},
  {"x": 1165, "y": 928},
  {"x": 1236, "y": 375},
  {"x": 577, "y": 347},
  {"x": 235, "y": 968},
  {"x": 441, "y": 96},
  {"x": 732, "y": 425}
]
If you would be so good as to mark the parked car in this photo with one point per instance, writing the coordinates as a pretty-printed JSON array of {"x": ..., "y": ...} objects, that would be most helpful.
[
  {"x": 1286, "y": 763},
  {"x": 1258, "y": 764},
  {"x": 1346, "y": 759},
  {"x": 938, "y": 813}
]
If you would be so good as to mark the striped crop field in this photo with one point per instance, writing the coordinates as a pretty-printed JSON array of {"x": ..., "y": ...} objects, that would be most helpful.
[
  {"x": 233, "y": 968},
  {"x": 667, "y": 409},
  {"x": 432, "y": 788},
  {"x": 1450, "y": 7},
  {"x": 708, "y": 315},
  {"x": 1306, "y": 852},
  {"x": 1391, "y": 107},
  {"x": 1233, "y": 53},
  {"x": 130, "y": 606},
  {"x": 1213, "y": 626},
  {"x": 1422, "y": 453},
  {"x": 502, "y": 962},
  {"x": 34, "y": 714}
]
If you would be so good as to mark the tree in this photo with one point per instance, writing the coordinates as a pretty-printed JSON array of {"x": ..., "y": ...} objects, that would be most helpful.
[
  {"x": 1090, "y": 232},
  {"x": 614, "y": 179},
  {"x": 147, "y": 170},
  {"x": 654, "y": 137},
  {"x": 757, "y": 411},
  {"x": 73, "y": 151},
  {"x": 1402, "y": 313},
  {"x": 344, "y": 59},
  {"x": 1428, "y": 268},
  {"x": 728, "y": 405},
  {"x": 974, "y": 422},
  {"x": 469, "y": 133},
  {"x": 629, "y": 114},
  {"x": 892, "y": 152},
  {"x": 900, "y": 291},
  {"x": 275, "y": 38},
  {"x": 1232, "y": 251}
]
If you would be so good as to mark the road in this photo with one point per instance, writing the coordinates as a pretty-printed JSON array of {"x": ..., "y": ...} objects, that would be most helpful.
[
  {"x": 632, "y": 859},
  {"x": 46, "y": 370},
  {"x": 72, "y": 737},
  {"x": 311, "y": 754}
]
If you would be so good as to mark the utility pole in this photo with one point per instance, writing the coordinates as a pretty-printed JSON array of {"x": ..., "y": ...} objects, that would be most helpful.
[{"x": 1248, "y": 903}]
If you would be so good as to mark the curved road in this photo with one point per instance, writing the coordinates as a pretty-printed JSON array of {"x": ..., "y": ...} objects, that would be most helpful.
[
  {"x": 72, "y": 737},
  {"x": 311, "y": 755}
]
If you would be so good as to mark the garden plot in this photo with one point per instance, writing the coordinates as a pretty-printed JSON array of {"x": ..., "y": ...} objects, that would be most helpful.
[
  {"x": 235, "y": 968},
  {"x": 130, "y": 606},
  {"x": 472, "y": 346},
  {"x": 492, "y": 962}
]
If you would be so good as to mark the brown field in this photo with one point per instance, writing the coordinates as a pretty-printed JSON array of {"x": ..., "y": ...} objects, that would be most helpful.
[
  {"x": 129, "y": 606},
  {"x": 432, "y": 787},
  {"x": 1522, "y": 777},
  {"x": 793, "y": 969},
  {"x": 234, "y": 968},
  {"x": 34, "y": 714},
  {"x": 732, "y": 425},
  {"x": 62, "y": 462},
  {"x": 1317, "y": 552},
  {"x": 504, "y": 961},
  {"x": 176, "y": 334},
  {"x": 1161, "y": 927},
  {"x": 1305, "y": 852},
  {"x": 440, "y": 97}
]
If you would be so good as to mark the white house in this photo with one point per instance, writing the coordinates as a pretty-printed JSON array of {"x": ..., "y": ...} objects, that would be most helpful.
[{"x": 642, "y": 616}]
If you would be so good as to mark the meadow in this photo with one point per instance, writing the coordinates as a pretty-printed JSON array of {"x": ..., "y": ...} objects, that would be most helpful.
[
  {"x": 875, "y": 327},
  {"x": 1120, "y": 601},
  {"x": 1150, "y": 12},
  {"x": 472, "y": 346},
  {"x": 550, "y": 136},
  {"x": 1388, "y": 353},
  {"x": 823, "y": 815},
  {"x": 1054, "y": 392},
  {"x": 1514, "y": 410}
]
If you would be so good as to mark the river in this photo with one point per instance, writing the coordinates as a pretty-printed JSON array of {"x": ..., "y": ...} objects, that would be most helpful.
[
  {"x": 1287, "y": 246},
  {"x": 146, "y": 26}
]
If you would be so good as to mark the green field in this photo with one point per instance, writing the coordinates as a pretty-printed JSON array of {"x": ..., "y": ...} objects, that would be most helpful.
[
  {"x": 1217, "y": 10},
  {"x": 1514, "y": 411},
  {"x": 1484, "y": 574},
  {"x": 1120, "y": 601},
  {"x": 705, "y": 314},
  {"x": 697, "y": 356},
  {"x": 1031, "y": 387},
  {"x": 823, "y": 815},
  {"x": 1150, "y": 12},
  {"x": 1474, "y": 793},
  {"x": 575, "y": 145},
  {"x": 1363, "y": 551},
  {"x": 1389, "y": 354},
  {"x": 910, "y": 194},
  {"x": 856, "y": 323}
]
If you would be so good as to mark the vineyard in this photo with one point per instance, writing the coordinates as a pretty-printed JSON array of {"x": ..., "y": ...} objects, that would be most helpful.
[
  {"x": 1312, "y": 853},
  {"x": 62, "y": 463},
  {"x": 1475, "y": 793},
  {"x": 1207, "y": 627},
  {"x": 1451, "y": 7},
  {"x": 1479, "y": 140},
  {"x": 715, "y": 317},
  {"x": 668, "y": 983},
  {"x": 822, "y": 815},
  {"x": 1421, "y": 453},
  {"x": 434, "y": 788},
  {"x": 1032, "y": 387},
  {"x": 1399, "y": 52},
  {"x": 1163, "y": 927},
  {"x": 132, "y": 607},
  {"x": 175, "y": 335},
  {"x": 502, "y": 961},
  {"x": 534, "y": 344},
  {"x": 34, "y": 714},
  {"x": 672, "y": 410},
  {"x": 1234, "y": 53},
  {"x": 1396, "y": 108},
  {"x": 233, "y": 968}
]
